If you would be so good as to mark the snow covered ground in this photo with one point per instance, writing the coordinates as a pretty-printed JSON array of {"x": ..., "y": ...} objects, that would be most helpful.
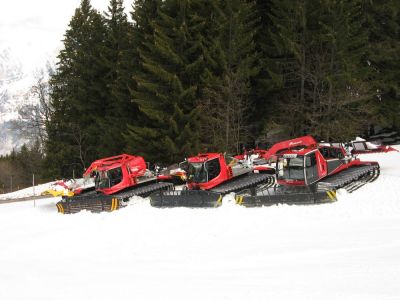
[{"x": 349, "y": 249}]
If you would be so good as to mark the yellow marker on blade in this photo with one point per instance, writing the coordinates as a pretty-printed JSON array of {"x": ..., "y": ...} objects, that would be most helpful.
[
  {"x": 331, "y": 195},
  {"x": 60, "y": 208},
  {"x": 113, "y": 204},
  {"x": 239, "y": 200},
  {"x": 219, "y": 201}
]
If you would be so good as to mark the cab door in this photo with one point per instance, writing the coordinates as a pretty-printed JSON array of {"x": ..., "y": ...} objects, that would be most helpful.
[
  {"x": 311, "y": 168},
  {"x": 322, "y": 165}
]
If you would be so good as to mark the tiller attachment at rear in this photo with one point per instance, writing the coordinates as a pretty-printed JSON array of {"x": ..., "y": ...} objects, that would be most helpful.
[{"x": 186, "y": 198}]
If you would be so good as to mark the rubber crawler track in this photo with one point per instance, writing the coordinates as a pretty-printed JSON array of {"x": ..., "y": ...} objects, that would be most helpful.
[{"x": 96, "y": 202}]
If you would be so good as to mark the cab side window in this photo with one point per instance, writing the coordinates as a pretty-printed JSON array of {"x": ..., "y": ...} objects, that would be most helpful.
[
  {"x": 115, "y": 176},
  {"x": 311, "y": 168},
  {"x": 213, "y": 168}
]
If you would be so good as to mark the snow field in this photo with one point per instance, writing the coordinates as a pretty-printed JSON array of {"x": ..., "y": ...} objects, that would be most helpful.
[{"x": 349, "y": 249}]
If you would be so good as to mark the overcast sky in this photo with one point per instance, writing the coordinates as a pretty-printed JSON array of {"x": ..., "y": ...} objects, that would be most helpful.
[{"x": 33, "y": 29}]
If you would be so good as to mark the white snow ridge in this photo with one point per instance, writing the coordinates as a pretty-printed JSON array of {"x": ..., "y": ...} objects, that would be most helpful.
[{"x": 349, "y": 249}]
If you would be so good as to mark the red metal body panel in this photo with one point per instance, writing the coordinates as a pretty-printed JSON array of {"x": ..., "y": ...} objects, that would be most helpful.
[
  {"x": 164, "y": 177},
  {"x": 321, "y": 165},
  {"x": 202, "y": 157},
  {"x": 291, "y": 182},
  {"x": 379, "y": 149},
  {"x": 264, "y": 169},
  {"x": 297, "y": 143},
  {"x": 78, "y": 191},
  {"x": 136, "y": 164}
]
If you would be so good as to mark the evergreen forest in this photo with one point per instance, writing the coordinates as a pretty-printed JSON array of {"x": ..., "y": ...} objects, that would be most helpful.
[{"x": 172, "y": 78}]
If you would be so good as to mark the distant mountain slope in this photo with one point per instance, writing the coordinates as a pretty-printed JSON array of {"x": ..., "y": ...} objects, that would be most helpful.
[{"x": 15, "y": 93}]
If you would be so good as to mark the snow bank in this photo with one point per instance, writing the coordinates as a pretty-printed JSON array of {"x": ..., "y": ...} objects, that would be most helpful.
[
  {"x": 344, "y": 250},
  {"x": 31, "y": 191}
]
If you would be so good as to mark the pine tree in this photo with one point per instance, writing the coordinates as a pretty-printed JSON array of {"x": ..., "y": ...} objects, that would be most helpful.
[
  {"x": 342, "y": 97},
  {"x": 167, "y": 87},
  {"x": 317, "y": 64},
  {"x": 119, "y": 60},
  {"x": 383, "y": 23},
  {"x": 285, "y": 62},
  {"x": 78, "y": 95},
  {"x": 19, "y": 167},
  {"x": 143, "y": 15},
  {"x": 228, "y": 90},
  {"x": 266, "y": 85}
]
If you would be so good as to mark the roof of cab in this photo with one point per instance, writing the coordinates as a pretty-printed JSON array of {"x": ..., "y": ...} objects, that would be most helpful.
[{"x": 202, "y": 157}]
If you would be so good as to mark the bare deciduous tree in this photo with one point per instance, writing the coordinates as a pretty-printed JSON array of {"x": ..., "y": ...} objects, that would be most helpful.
[
  {"x": 226, "y": 107},
  {"x": 79, "y": 138},
  {"x": 34, "y": 117}
]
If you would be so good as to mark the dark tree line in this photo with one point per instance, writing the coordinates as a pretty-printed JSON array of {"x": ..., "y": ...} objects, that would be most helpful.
[
  {"x": 21, "y": 168},
  {"x": 193, "y": 75}
]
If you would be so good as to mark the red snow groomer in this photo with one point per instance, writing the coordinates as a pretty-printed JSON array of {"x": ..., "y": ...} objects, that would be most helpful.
[
  {"x": 116, "y": 178},
  {"x": 211, "y": 175},
  {"x": 309, "y": 172},
  {"x": 297, "y": 171}
]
